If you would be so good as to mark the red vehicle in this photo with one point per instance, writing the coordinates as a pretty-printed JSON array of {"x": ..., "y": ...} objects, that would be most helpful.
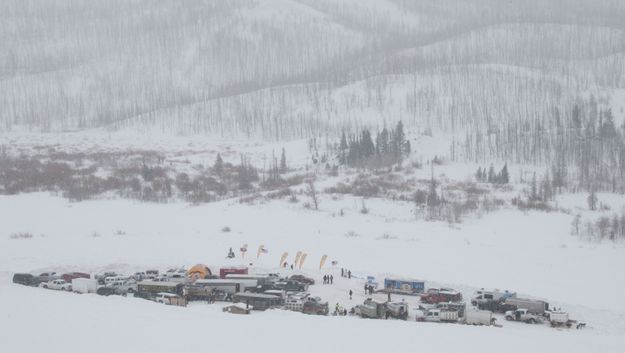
[
  {"x": 224, "y": 271},
  {"x": 440, "y": 295},
  {"x": 68, "y": 277}
]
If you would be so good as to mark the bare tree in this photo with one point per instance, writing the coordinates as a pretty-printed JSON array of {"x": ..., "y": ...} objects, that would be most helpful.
[{"x": 311, "y": 191}]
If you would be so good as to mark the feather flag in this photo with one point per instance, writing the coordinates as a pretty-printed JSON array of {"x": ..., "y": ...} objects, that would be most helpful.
[
  {"x": 302, "y": 259},
  {"x": 284, "y": 256},
  {"x": 261, "y": 250},
  {"x": 323, "y": 261},
  {"x": 297, "y": 257}
]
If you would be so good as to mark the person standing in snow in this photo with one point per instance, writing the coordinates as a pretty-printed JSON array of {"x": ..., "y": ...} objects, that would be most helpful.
[
  {"x": 349, "y": 274},
  {"x": 331, "y": 279},
  {"x": 350, "y": 294},
  {"x": 342, "y": 272}
]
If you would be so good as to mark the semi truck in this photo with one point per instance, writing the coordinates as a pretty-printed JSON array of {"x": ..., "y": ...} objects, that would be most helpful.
[
  {"x": 537, "y": 307},
  {"x": 404, "y": 286}
]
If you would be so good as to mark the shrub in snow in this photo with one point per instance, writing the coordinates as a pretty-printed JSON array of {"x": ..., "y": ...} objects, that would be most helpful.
[
  {"x": 226, "y": 229},
  {"x": 21, "y": 235},
  {"x": 351, "y": 234}
]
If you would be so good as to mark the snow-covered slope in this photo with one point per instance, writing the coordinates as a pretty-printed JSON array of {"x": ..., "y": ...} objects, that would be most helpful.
[{"x": 531, "y": 254}]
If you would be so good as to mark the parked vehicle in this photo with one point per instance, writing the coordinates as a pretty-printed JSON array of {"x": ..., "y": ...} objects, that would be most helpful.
[
  {"x": 47, "y": 277},
  {"x": 139, "y": 276},
  {"x": 493, "y": 300},
  {"x": 315, "y": 306},
  {"x": 460, "y": 307},
  {"x": 149, "y": 289},
  {"x": 522, "y": 315},
  {"x": 151, "y": 274},
  {"x": 26, "y": 279},
  {"x": 559, "y": 318},
  {"x": 404, "y": 286},
  {"x": 124, "y": 287},
  {"x": 257, "y": 301},
  {"x": 165, "y": 298},
  {"x": 176, "y": 277},
  {"x": 102, "y": 277},
  {"x": 224, "y": 271},
  {"x": 396, "y": 310},
  {"x": 56, "y": 284},
  {"x": 295, "y": 301},
  {"x": 106, "y": 291},
  {"x": 276, "y": 292},
  {"x": 370, "y": 309},
  {"x": 68, "y": 277},
  {"x": 84, "y": 285},
  {"x": 479, "y": 317},
  {"x": 195, "y": 292},
  {"x": 440, "y": 295},
  {"x": 290, "y": 286},
  {"x": 302, "y": 279},
  {"x": 228, "y": 285},
  {"x": 538, "y": 307},
  {"x": 112, "y": 279},
  {"x": 264, "y": 281},
  {"x": 439, "y": 315}
]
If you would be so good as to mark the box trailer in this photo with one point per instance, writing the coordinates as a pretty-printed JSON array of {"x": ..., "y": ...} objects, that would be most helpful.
[
  {"x": 257, "y": 301},
  {"x": 404, "y": 286},
  {"x": 84, "y": 285},
  {"x": 228, "y": 285},
  {"x": 478, "y": 317},
  {"x": 149, "y": 289},
  {"x": 224, "y": 271},
  {"x": 533, "y": 306}
]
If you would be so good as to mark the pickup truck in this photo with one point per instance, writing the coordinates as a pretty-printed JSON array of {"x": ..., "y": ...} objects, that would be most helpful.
[
  {"x": 56, "y": 284},
  {"x": 290, "y": 286},
  {"x": 370, "y": 309},
  {"x": 396, "y": 310},
  {"x": 522, "y": 315},
  {"x": 314, "y": 306},
  {"x": 123, "y": 287},
  {"x": 439, "y": 315}
]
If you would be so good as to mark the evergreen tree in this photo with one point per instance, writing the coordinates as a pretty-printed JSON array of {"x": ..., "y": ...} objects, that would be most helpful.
[
  {"x": 382, "y": 147},
  {"x": 491, "y": 174},
  {"x": 219, "y": 164},
  {"x": 504, "y": 177},
  {"x": 343, "y": 148},
  {"x": 283, "y": 167},
  {"x": 478, "y": 174}
]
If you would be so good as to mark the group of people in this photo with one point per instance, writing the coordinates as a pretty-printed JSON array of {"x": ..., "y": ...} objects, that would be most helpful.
[
  {"x": 346, "y": 273},
  {"x": 368, "y": 289},
  {"x": 328, "y": 279},
  {"x": 339, "y": 310}
]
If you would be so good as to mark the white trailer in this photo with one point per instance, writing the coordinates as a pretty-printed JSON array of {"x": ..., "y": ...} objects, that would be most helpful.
[
  {"x": 478, "y": 317},
  {"x": 84, "y": 285},
  {"x": 230, "y": 286},
  {"x": 439, "y": 315}
]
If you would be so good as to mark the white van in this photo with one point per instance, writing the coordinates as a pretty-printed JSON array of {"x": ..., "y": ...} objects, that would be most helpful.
[{"x": 165, "y": 298}]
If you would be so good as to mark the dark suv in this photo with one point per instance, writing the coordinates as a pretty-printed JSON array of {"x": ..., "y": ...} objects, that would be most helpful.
[
  {"x": 302, "y": 279},
  {"x": 26, "y": 279}
]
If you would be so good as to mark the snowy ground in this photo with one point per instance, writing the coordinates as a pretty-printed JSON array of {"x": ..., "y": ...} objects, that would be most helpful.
[{"x": 531, "y": 253}]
